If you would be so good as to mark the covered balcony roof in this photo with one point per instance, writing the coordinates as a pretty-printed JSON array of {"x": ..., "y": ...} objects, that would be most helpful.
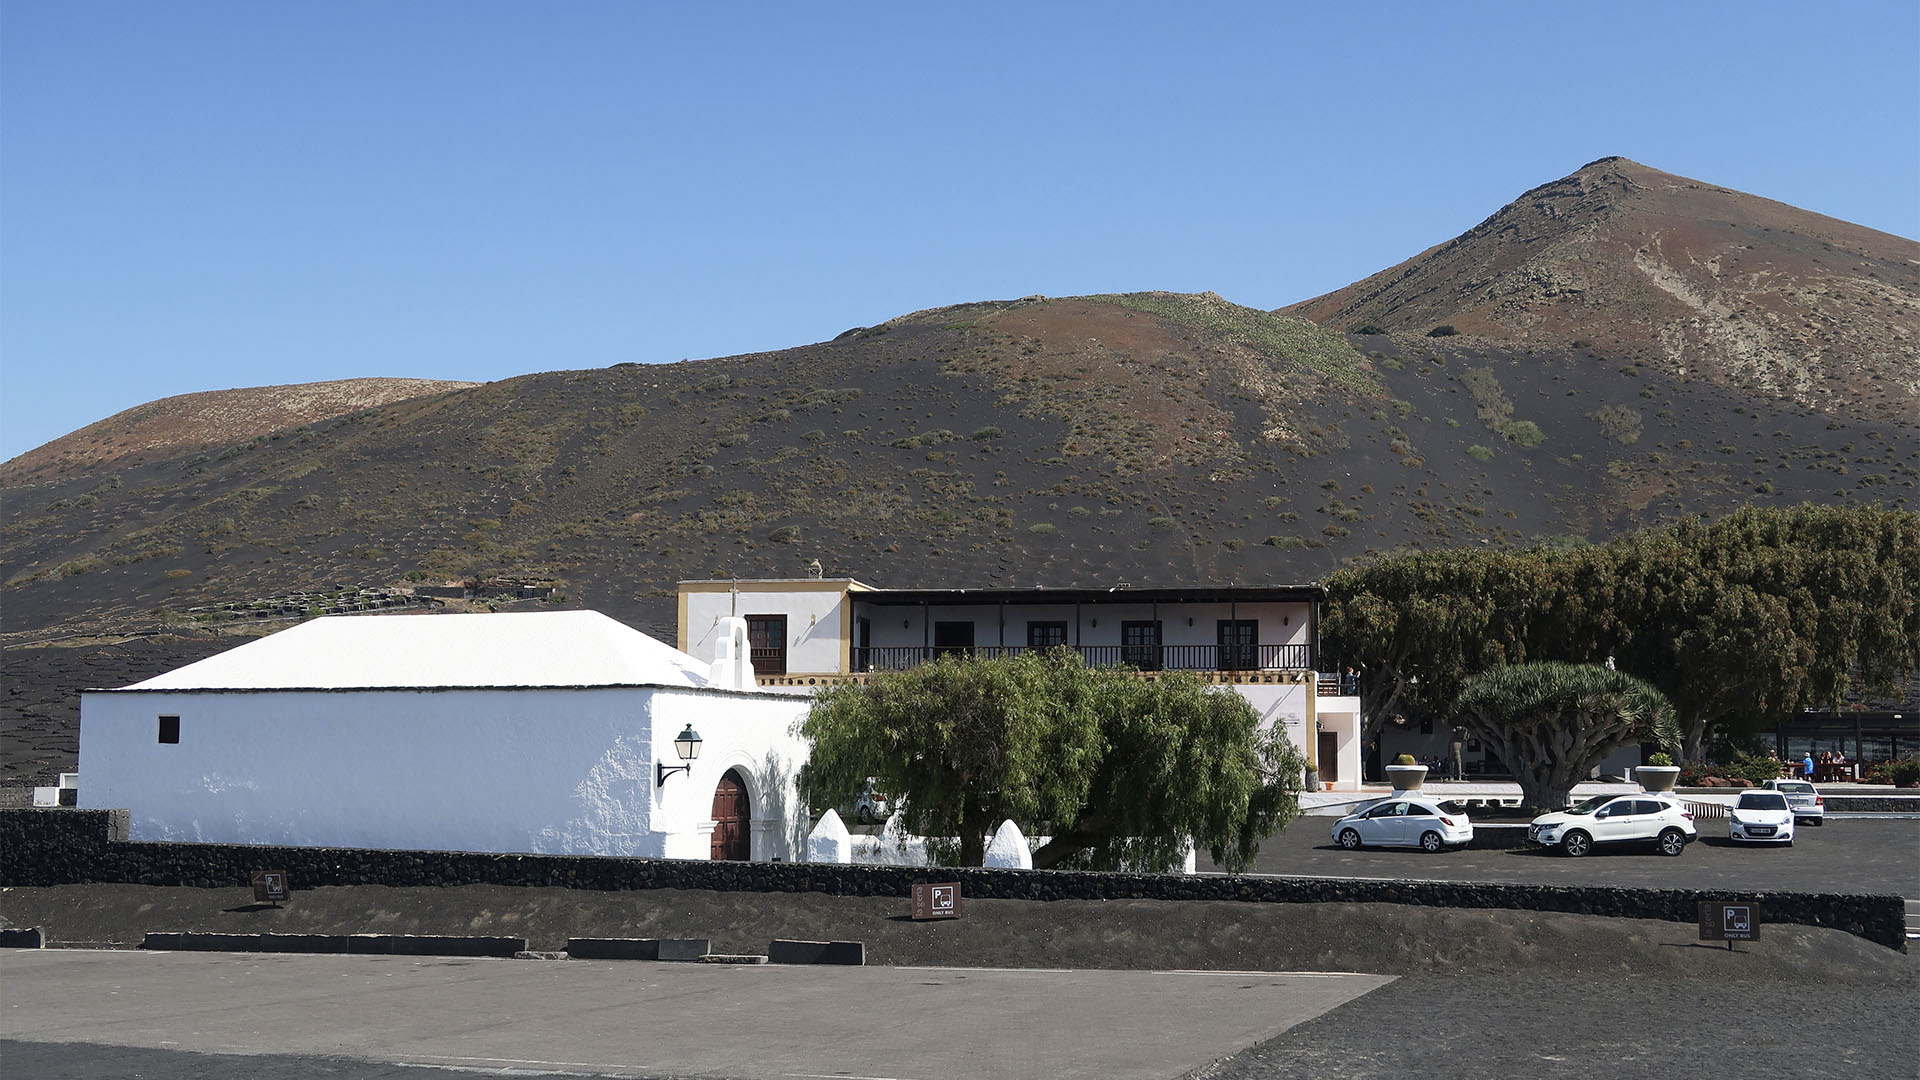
[{"x": 1118, "y": 594}]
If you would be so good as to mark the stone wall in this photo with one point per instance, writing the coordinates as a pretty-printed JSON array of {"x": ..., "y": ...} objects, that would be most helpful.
[
  {"x": 60, "y": 847},
  {"x": 1873, "y": 804}
]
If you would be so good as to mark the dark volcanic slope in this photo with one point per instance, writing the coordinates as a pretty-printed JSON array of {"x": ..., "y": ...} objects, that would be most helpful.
[
  {"x": 177, "y": 425},
  {"x": 1695, "y": 280},
  {"x": 1149, "y": 438}
]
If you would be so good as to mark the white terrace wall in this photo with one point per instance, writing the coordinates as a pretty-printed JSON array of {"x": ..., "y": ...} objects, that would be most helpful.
[
  {"x": 818, "y": 619},
  {"x": 553, "y": 771}
]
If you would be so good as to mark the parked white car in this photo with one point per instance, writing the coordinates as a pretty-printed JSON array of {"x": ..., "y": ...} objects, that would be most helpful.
[
  {"x": 1660, "y": 820},
  {"x": 1762, "y": 817},
  {"x": 1419, "y": 823},
  {"x": 1807, "y": 802},
  {"x": 869, "y": 806}
]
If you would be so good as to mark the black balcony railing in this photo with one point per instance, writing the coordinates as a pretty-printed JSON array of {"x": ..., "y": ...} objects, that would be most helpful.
[{"x": 1144, "y": 657}]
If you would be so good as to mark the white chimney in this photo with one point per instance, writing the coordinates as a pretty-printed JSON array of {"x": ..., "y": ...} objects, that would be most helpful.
[{"x": 732, "y": 662}]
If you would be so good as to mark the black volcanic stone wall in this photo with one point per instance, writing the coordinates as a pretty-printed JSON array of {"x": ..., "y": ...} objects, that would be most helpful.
[
  {"x": 64, "y": 847},
  {"x": 1873, "y": 804}
]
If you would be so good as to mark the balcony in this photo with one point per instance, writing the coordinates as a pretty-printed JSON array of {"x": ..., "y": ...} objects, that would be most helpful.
[{"x": 1143, "y": 657}]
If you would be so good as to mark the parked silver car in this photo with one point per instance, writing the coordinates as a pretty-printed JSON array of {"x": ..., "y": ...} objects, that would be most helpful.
[{"x": 1807, "y": 802}]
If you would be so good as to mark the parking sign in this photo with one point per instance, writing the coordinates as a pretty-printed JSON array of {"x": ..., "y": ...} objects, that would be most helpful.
[
  {"x": 270, "y": 885},
  {"x": 1728, "y": 921},
  {"x": 941, "y": 901}
]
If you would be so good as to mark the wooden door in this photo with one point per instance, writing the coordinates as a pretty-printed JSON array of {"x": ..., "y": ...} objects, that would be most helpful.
[
  {"x": 1329, "y": 759},
  {"x": 730, "y": 814}
]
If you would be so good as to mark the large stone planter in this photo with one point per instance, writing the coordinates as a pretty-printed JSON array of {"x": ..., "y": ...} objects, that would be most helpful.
[
  {"x": 1657, "y": 777},
  {"x": 1406, "y": 777}
]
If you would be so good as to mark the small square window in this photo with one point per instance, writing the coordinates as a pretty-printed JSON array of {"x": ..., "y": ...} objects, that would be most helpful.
[{"x": 169, "y": 729}]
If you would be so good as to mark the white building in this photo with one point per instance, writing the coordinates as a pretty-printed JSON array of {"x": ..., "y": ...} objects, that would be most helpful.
[
  {"x": 1261, "y": 641},
  {"x": 547, "y": 733}
]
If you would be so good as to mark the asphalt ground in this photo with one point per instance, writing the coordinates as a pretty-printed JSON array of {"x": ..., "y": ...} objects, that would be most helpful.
[
  {"x": 645, "y": 1019},
  {"x": 1855, "y": 855}
]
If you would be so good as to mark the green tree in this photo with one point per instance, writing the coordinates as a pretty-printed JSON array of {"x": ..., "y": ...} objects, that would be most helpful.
[
  {"x": 1553, "y": 722},
  {"x": 1418, "y": 625},
  {"x": 1119, "y": 769},
  {"x": 1747, "y": 620},
  {"x": 1740, "y": 622}
]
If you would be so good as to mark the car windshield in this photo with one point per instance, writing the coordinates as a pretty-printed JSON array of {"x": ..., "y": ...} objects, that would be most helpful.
[
  {"x": 1798, "y": 789},
  {"x": 1756, "y": 800},
  {"x": 1590, "y": 805}
]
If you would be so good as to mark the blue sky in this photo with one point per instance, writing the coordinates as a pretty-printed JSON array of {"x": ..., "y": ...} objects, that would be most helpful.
[{"x": 196, "y": 195}]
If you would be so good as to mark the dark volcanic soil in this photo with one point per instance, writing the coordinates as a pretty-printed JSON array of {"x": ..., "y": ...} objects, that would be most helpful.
[{"x": 1147, "y": 934}]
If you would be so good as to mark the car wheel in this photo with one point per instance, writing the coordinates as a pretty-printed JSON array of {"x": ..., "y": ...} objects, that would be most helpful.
[
  {"x": 1819, "y": 821},
  {"x": 1430, "y": 842},
  {"x": 1673, "y": 842},
  {"x": 1576, "y": 843},
  {"x": 865, "y": 814},
  {"x": 1350, "y": 839}
]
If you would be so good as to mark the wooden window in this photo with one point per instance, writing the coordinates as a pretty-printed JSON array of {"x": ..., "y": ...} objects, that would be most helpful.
[
  {"x": 1046, "y": 635},
  {"x": 1140, "y": 644},
  {"x": 767, "y": 643},
  {"x": 1239, "y": 644},
  {"x": 952, "y": 637}
]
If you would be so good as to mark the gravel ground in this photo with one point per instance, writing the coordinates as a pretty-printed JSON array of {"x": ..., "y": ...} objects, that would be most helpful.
[{"x": 1472, "y": 1027}]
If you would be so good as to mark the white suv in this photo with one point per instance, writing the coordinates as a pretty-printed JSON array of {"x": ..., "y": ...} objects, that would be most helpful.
[{"x": 1616, "y": 819}]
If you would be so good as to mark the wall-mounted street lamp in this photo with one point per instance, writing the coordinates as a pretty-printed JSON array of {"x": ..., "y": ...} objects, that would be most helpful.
[{"x": 687, "y": 745}]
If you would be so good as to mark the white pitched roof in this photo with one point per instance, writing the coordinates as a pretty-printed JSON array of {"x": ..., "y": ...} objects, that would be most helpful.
[{"x": 356, "y": 652}]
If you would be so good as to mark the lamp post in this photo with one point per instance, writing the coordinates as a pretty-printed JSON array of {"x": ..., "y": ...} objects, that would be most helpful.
[{"x": 687, "y": 745}]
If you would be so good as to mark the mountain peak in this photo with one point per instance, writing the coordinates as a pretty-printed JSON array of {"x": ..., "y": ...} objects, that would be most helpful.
[{"x": 1698, "y": 280}]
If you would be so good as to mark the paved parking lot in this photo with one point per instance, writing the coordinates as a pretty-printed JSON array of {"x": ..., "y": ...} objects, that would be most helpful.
[
  {"x": 1855, "y": 855},
  {"x": 646, "y": 1020}
]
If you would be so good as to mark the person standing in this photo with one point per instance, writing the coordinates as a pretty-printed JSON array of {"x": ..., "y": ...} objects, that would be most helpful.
[{"x": 1806, "y": 766}]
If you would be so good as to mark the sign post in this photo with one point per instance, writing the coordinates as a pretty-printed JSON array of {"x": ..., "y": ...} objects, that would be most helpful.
[
  {"x": 1729, "y": 922},
  {"x": 270, "y": 886},
  {"x": 941, "y": 901}
]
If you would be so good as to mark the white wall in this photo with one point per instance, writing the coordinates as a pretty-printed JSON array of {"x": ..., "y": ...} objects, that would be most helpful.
[
  {"x": 752, "y": 735},
  {"x": 1285, "y": 705},
  {"x": 813, "y": 623},
  {"x": 543, "y": 771}
]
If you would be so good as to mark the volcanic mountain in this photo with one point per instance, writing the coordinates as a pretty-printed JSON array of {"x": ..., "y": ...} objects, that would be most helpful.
[
  {"x": 188, "y": 422},
  {"x": 1691, "y": 279},
  {"x": 1144, "y": 438}
]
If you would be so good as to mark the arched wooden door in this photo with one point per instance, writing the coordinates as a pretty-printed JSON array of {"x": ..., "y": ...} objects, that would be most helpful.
[{"x": 731, "y": 811}]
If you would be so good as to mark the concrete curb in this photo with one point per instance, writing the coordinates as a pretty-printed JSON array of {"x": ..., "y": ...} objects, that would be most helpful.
[
  {"x": 679, "y": 949},
  {"x": 432, "y": 945},
  {"x": 782, "y": 951},
  {"x": 356, "y": 944},
  {"x": 190, "y": 941},
  {"x": 23, "y": 938}
]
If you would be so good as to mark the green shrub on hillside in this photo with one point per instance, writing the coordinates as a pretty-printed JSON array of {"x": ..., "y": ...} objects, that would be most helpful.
[
  {"x": 1525, "y": 432},
  {"x": 1276, "y": 336}
]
